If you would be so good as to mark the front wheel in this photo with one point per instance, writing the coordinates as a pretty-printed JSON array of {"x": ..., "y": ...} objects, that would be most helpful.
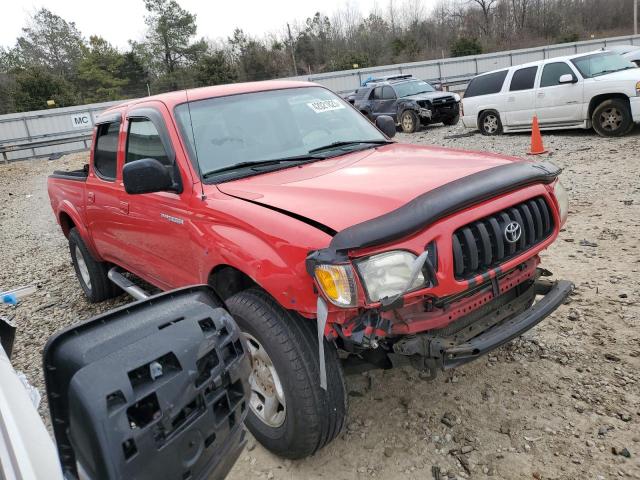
[
  {"x": 489, "y": 123},
  {"x": 612, "y": 118},
  {"x": 409, "y": 121},
  {"x": 289, "y": 413}
]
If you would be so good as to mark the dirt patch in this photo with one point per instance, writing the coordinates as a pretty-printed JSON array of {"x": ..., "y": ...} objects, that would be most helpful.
[{"x": 561, "y": 402}]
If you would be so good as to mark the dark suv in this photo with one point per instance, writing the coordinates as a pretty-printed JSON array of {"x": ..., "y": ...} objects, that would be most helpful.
[{"x": 408, "y": 100}]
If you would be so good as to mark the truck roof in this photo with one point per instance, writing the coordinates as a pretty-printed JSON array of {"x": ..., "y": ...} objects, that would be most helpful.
[{"x": 171, "y": 99}]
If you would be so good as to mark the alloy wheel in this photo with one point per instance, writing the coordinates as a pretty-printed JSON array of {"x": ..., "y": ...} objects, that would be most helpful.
[{"x": 267, "y": 400}]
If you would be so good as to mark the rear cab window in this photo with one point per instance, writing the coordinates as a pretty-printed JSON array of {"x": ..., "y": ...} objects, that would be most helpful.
[
  {"x": 552, "y": 72},
  {"x": 486, "y": 84},
  {"x": 523, "y": 79},
  {"x": 105, "y": 153}
]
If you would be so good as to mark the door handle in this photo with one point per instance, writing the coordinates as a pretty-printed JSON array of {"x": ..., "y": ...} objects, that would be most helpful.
[
  {"x": 124, "y": 207},
  {"x": 511, "y": 99},
  {"x": 91, "y": 197},
  {"x": 540, "y": 94}
]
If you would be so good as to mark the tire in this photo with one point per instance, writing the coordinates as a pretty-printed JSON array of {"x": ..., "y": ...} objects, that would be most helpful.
[
  {"x": 612, "y": 118},
  {"x": 452, "y": 120},
  {"x": 489, "y": 123},
  {"x": 92, "y": 275},
  {"x": 409, "y": 121},
  {"x": 310, "y": 417}
]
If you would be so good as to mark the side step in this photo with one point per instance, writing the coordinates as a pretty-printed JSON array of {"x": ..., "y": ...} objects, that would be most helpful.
[{"x": 127, "y": 285}]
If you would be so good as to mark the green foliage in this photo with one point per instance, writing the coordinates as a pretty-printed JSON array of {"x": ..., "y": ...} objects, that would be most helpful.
[
  {"x": 35, "y": 85},
  {"x": 215, "y": 69},
  {"x": 569, "y": 38},
  {"x": 465, "y": 46},
  {"x": 49, "y": 42},
  {"x": 169, "y": 37},
  {"x": 97, "y": 74}
]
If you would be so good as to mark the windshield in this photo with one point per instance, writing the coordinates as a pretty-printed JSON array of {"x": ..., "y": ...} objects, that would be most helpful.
[
  {"x": 601, "y": 64},
  {"x": 412, "y": 88},
  {"x": 270, "y": 125}
]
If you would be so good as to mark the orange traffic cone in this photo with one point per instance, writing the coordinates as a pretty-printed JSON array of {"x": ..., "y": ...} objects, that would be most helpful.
[{"x": 537, "y": 147}]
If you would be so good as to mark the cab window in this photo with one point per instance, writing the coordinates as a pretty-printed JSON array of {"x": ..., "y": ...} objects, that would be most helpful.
[
  {"x": 552, "y": 72},
  {"x": 143, "y": 141},
  {"x": 523, "y": 79},
  {"x": 388, "y": 93},
  {"x": 105, "y": 154}
]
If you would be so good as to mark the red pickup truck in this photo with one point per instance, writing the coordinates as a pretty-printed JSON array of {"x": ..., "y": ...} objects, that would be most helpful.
[{"x": 313, "y": 225}]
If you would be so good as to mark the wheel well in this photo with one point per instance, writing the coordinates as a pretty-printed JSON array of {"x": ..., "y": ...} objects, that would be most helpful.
[
  {"x": 227, "y": 281},
  {"x": 482, "y": 112},
  {"x": 66, "y": 223},
  {"x": 598, "y": 99}
]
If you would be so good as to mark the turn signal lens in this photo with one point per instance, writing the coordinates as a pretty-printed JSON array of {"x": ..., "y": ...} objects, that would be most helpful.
[
  {"x": 336, "y": 282},
  {"x": 637, "y": 89}
]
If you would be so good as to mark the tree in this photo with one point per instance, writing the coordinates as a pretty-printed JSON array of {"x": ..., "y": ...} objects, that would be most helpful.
[
  {"x": 98, "y": 71},
  {"x": 485, "y": 7},
  {"x": 35, "y": 85},
  {"x": 215, "y": 68},
  {"x": 51, "y": 42},
  {"x": 133, "y": 70},
  {"x": 170, "y": 31},
  {"x": 465, "y": 46}
]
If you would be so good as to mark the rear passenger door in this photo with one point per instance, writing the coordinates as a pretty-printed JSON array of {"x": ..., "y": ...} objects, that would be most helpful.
[
  {"x": 104, "y": 213},
  {"x": 384, "y": 100},
  {"x": 559, "y": 104},
  {"x": 520, "y": 105}
]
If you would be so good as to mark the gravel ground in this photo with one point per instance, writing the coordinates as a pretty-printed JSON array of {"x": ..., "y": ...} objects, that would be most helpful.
[{"x": 561, "y": 402}]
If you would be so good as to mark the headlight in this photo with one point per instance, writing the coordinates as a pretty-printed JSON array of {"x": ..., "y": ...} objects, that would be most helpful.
[
  {"x": 563, "y": 201},
  {"x": 387, "y": 274},
  {"x": 336, "y": 282},
  {"x": 456, "y": 97}
]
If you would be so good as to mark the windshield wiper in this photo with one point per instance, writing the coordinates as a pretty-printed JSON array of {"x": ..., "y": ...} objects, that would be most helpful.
[
  {"x": 348, "y": 143},
  {"x": 261, "y": 163}
]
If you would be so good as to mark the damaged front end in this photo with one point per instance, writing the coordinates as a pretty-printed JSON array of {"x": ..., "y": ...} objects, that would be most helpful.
[{"x": 451, "y": 293}]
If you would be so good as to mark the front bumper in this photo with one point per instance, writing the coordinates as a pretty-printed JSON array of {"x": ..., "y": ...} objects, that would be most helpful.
[
  {"x": 500, "y": 334},
  {"x": 634, "y": 102},
  {"x": 446, "y": 349}
]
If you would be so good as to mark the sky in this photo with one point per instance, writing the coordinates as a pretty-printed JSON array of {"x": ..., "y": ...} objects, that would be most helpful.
[{"x": 120, "y": 20}]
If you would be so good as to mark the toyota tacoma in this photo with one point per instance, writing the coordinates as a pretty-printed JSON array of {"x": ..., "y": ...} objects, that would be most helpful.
[{"x": 333, "y": 246}]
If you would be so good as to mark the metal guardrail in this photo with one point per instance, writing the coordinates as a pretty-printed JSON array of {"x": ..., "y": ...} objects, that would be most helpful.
[
  {"x": 5, "y": 150},
  {"x": 56, "y": 131}
]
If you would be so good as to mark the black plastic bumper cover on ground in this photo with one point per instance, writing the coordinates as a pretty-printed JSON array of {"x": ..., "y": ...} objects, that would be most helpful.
[{"x": 508, "y": 330}]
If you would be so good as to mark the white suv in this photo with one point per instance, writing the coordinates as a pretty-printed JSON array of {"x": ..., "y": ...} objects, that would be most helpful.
[{"x": 598, "y": 89}]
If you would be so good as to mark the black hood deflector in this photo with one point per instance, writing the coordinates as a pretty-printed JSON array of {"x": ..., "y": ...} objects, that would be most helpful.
[{"x": 433, "y": 206}]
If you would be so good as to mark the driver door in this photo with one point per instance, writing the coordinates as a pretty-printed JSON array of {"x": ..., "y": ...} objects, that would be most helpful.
[
  {"x": 559, "y": 104},
  {"x": 157, "y": 226}
]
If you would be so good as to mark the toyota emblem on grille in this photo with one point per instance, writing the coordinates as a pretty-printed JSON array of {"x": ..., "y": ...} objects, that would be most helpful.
[{"x": 512, "y": 232}]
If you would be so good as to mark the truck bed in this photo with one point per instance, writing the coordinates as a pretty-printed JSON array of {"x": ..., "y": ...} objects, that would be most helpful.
[{"x": 79, "y": 175}]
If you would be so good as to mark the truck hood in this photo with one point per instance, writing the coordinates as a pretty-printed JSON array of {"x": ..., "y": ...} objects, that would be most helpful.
[
  {"x": 428, "y": 96},
  {"x": 352, "y": 188},
  {"x": 632, "y": 74}
]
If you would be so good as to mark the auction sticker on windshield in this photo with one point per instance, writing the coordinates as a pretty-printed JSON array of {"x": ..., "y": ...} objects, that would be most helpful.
[{"x": 320, "y": 106}]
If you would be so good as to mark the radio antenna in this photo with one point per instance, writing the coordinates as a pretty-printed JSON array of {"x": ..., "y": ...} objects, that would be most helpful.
[{"x": 195, "y": 146}]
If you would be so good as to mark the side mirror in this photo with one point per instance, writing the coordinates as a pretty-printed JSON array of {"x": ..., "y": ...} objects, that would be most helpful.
[
  {"x": 155, "y": 389},
  {"x": 386, "y": 125},
  {"x": 567, "y": 78},
  {"x": 145, "y": 176}
]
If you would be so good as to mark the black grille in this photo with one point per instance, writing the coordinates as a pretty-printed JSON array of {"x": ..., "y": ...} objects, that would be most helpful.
[{"x": 482, "y": 245}]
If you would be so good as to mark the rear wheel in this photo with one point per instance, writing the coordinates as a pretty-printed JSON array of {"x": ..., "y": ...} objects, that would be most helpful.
[
  {"x": 489, "y": 123},
  {"x": 289, "y": 413},
  {"x": 612, "y": 118},
  {"x": 409, "y": 121},
  {"x": 92, "y": 275}
]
